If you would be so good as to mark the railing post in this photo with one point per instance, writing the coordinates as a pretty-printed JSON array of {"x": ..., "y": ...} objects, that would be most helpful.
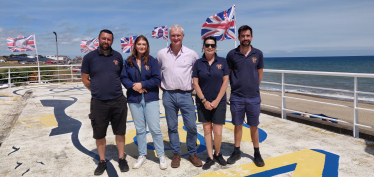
[
  {"x": 58, "y": 73},
  {"x": 9, "y": 81},
  {"x": 71, "y": 72},
  {"x": 356, "y": 131},
  {"x": 284, "y": 113}
]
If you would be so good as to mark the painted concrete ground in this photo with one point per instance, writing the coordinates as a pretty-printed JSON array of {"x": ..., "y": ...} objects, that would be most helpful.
[
  {"x": 7, "y": 100},
  {"x": 53, "y": 137}
]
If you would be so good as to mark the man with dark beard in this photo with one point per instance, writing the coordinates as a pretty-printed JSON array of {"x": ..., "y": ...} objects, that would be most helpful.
[
  {"x": 246, "y": 65},
  {"x": 101, "y": 70}
]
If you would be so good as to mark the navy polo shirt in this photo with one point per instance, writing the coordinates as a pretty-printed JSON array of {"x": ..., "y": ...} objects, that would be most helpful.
[
  {"x": 244, "y": 78},
  {"x": 210, "y": 84},
  {"x": 104, "y": 74}
]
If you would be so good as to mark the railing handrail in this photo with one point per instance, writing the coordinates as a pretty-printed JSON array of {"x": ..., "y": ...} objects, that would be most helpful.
[
  {"x": 367, "y": 75},
  {"x": 6, "y": 67}
]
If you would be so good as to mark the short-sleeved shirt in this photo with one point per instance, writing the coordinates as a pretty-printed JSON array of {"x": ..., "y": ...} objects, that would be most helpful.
[
  {"x": 176, "y": 70},
  {"x": 244, "y": 77},
  {"x": 104, "y": 74},
  {"x": 210, "y": 77}
]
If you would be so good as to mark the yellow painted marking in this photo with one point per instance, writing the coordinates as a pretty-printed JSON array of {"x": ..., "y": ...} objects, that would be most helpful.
[
  {"x": 87, "y": 102},
  {"x": 246, "y": 132},
  {"x": 43, "y": 121},
  {"x": 309, "y": 163}
]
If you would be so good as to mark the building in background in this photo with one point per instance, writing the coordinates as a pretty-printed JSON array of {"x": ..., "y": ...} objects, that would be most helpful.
[{"x": 60, "y": 57}]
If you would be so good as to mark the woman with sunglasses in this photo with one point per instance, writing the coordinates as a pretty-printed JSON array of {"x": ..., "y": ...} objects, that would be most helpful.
[
  {"x": 210, "y": 79},
  {"x": 141, "y": 77}
]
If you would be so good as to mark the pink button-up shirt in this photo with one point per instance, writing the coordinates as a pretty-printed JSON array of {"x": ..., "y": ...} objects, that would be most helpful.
[{"x": 176, "y": 70}]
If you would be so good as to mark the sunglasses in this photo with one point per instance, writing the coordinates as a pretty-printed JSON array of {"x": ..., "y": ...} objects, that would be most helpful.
[{"x": 212, "y": 45}]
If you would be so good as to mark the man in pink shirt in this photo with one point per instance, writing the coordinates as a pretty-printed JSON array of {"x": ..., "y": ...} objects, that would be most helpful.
[{"x": 176, "y": 62}]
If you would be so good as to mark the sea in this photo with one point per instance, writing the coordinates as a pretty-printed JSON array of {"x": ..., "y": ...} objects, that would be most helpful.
[{"x": 346, "y": 64}]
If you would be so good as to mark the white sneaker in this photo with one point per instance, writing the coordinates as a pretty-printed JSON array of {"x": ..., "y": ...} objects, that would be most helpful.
[
  {"x": 141, "y": 160},
  {"x": 163, "y": 164}
]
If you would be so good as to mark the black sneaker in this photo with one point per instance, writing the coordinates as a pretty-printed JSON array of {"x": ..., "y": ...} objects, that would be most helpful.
[
  {"x": 123, "y": 166},
  {"x": 209, "y": 162},
  {"x": 258, "y": 160},
  {"x": 220, "y": 159},
  {"x": 101, "y": 167},
  {"x": 236, "y": 155}
]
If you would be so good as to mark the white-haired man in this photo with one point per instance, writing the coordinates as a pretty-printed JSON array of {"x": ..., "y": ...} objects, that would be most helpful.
[{"x": 176, "y": 62}]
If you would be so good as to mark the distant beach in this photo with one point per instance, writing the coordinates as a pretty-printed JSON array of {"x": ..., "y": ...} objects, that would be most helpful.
[{"x": 345, "y": 114}]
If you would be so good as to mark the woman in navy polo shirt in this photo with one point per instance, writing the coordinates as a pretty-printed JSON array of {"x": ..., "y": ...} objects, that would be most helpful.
[
  {"x": 141, "y": 77},
  {"x": 210, "y": 78}
]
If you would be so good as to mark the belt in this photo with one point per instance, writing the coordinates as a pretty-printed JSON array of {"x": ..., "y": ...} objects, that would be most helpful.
[{"x": 179, "y": 90}]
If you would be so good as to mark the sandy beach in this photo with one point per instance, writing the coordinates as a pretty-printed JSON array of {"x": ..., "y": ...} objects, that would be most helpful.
[{"x": 341, "y": 113}]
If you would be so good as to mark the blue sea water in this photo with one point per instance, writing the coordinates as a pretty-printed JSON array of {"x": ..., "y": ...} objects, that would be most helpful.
[{"x": 347, "y": 64}]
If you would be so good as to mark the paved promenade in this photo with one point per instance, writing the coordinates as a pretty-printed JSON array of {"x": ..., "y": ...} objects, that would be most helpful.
[{"x": 53, "y": 137}]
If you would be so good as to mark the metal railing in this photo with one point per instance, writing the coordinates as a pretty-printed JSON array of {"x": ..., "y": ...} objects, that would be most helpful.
[
  {"x": 355, "y": 92},
  {"x": 71, "y": 73},
  {"x": 28, "y": 75}
]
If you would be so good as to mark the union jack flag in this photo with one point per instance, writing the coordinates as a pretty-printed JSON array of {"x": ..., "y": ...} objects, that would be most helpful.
[
  {"x": 21, "y": 44},
  {"x": 160, "y": 32},
  {"x": 221, "y": 25},
  {"x": 127, "y": 44},
  {"x": 89, "y": 45}
]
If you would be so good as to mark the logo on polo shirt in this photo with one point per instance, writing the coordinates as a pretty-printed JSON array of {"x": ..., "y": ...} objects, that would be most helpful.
[
  {"x": 115, "y": 62},
  {"x": 219, "y": 66},
  {"x": 146, "y": 67},
  {"x": 254, "y": 59}
]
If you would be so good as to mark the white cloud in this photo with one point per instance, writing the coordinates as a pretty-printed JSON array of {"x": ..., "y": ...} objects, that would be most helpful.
[{"x": 77, "y": 40}]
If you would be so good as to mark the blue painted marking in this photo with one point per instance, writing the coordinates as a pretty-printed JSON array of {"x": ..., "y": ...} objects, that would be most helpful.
[
  {"x": 3, "y": 96},
  {"x": 261, "y": 133},
  {"x": 275, "y": 171},
  {"x": 331, "y": 163},
  {"x": 313, "y": 117},
  {"x": 67, "y": 124}
]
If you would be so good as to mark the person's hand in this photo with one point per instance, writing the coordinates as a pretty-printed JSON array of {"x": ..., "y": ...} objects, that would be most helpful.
[
  {"x": 137, "y": 87},
  {"x": 207, "y": 105},
  {"x": 214, "y": 104},
  {"x": 144, "y": 90}
]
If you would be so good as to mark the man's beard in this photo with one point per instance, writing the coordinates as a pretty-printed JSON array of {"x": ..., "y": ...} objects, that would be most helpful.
[
  {"x": 104, "y": 48},
  {"x": 245, "y": 45}
]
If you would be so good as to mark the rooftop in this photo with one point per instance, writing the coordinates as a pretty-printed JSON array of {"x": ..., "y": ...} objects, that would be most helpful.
[{"x": 53, "y": 137}]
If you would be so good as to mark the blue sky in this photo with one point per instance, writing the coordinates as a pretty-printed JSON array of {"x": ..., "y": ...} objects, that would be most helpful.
[{"x": 287, "y": 28}]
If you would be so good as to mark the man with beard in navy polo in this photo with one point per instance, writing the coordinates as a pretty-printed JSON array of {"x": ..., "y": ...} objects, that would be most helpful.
[
  {"x": 101, "y": 70},
  {"x": 246, "y": 65}
]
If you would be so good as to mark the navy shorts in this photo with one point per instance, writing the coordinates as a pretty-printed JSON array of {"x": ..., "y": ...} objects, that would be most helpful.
[
  {"x": 105, "y": 111},
  {"x": 215, "y": 116},
  {"x": 239, "y": 106}
]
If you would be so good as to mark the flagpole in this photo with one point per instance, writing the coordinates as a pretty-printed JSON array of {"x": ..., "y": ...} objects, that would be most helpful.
[
  {"x": 236, "y": 36},
  {"x": 37, "y": 58}
]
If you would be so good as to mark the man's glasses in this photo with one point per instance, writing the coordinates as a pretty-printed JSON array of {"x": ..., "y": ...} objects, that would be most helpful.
[{"x": 212, "y": 45}]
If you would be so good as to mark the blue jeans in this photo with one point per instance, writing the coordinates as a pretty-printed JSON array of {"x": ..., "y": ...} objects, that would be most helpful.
[
  {"x": 143, "y": 114},
  {"x": 173, "y": 101}
]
